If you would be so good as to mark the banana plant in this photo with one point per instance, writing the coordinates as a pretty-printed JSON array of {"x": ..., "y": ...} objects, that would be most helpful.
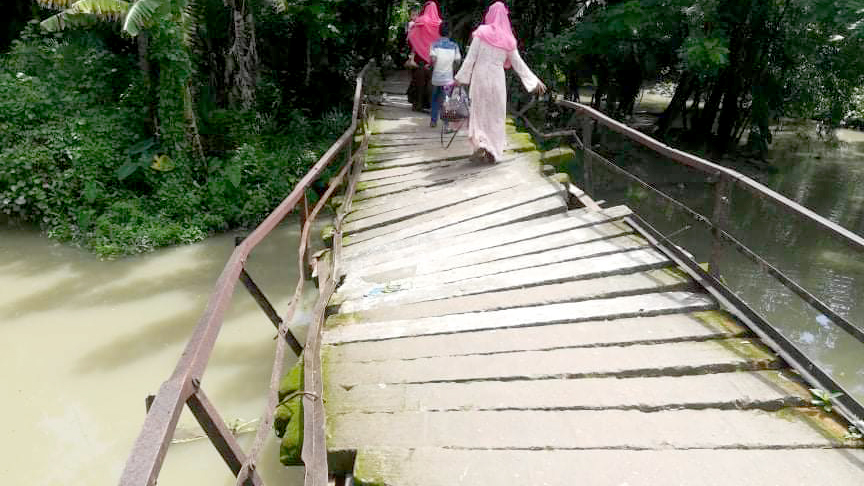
[{"x": 135, "y": 16}]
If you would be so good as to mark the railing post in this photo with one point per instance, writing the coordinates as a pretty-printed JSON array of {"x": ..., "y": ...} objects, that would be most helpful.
[
  {"x": 722, "y": 189},
  {"x": 305, "y": 271},
  {"x": 587, "y": 129}
]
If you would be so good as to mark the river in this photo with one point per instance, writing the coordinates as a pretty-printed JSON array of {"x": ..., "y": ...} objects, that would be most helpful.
[
  {"x": 827, "y": 179},
  {"x": 85, "y": 341}
]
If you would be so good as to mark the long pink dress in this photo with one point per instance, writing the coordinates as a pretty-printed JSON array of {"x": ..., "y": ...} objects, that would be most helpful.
[{"x": 483, "y": 70}]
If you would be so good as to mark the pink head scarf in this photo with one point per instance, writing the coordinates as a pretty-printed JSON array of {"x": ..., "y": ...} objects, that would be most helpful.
[
  {"x": 496, "y": 29},
  {"x": 425, "y": 31}
]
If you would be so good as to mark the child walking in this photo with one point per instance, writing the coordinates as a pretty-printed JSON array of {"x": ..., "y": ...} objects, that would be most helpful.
[{"x": 444, "y": 54}]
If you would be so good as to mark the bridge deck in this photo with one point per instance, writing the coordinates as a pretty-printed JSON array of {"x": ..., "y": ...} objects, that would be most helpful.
[{"x": 487, "y": 335}]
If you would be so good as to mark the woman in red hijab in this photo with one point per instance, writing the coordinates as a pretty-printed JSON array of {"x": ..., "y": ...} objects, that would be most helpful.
[
  {"x": 493, "y": 49},
  {"x": 423, "y": 31}
]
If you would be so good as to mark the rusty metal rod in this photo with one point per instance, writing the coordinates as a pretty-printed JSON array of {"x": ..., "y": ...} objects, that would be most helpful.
[
  {"x": 268, "y": 309},
  {"x": 720, "y": 233},
  {"x": 219, "y": 433},
  {"x": 850, "y": 238}
]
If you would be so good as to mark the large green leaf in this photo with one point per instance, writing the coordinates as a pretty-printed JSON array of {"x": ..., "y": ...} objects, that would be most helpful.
[
  {"x": 141, "y": 15},
  {"x": 84, "y": 12}
]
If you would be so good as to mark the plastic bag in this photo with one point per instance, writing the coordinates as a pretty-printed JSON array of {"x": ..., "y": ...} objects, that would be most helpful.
[{"x": 456, "y": 105}]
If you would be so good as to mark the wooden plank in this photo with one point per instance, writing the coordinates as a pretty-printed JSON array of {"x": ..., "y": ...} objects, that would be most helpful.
[{"x": 618, "y": 307}]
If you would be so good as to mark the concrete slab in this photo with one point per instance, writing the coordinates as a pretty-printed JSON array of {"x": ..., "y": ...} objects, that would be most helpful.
[
  {"x": 425, "y": 466},
  {"x": 696, "y": 326},
  {"x": 665, "y": 280},
  {"x": 362, "y": 295},
  {"x": 577, "y": 429},
  {"x": 343, "y": 328},
  {"x": 737, "y": 390},
  {"x": 509, "y": 205},
  {"x": 667, "y": 359}
]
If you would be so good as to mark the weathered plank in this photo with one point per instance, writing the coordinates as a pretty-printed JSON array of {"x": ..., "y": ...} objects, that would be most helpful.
[
  {"x": 536, "y": 251},
  {"x": 697, "y": 326},
  {"x": 404, "y": 251},
  {"x": 466, "y": 213},
  {"x": 427, "y": 466},
  {"x": 665, "y": 280},
  {"x": 737, "y": 390},
  {"x": 684, "y": 358},
  {"x": 341, "y": 329},
  {"x": 576, "y": 429},
  {"x": 435, "y": 286}
]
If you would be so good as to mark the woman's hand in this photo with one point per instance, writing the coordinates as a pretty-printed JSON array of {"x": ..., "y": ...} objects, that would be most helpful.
[{"x": 541, "y": 88}]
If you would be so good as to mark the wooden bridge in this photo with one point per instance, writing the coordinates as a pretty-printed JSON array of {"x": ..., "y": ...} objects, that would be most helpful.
[{"x": 489, "y": 324}]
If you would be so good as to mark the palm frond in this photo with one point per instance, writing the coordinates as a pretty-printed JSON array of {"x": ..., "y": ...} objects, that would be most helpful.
[
  {"x": 141, "y": 15},
  {"x": 84, "y": 13}
]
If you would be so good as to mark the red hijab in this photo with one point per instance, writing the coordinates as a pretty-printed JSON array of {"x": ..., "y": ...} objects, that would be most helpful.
[
  {"x": 496, "y": 29},
  {"x": 425, "y": 31}
]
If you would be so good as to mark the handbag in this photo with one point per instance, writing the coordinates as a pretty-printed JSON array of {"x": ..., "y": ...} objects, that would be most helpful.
[{"x": 456, "y": 105}]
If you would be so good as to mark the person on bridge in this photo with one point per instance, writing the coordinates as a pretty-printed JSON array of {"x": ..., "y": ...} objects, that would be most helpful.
[
  {"x": 492, "y": 50},
  {"x": 444, "y": 54},
  {"x": 423, "y": 31}
]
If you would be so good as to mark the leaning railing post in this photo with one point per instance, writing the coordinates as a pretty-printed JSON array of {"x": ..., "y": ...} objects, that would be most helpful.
[
  {"x": 722, "y": 192},
  {"x": 587, "y": 129},
  {"x": 305, "y": 270}
]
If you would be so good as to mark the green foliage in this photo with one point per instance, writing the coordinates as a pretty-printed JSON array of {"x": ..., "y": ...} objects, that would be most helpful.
[
  {"x": 706, "y": 56},
  {"x": 824, "y": 399},
  {"x": 79, "y": 161}
]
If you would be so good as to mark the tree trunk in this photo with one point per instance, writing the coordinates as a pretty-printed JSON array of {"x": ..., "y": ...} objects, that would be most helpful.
[
  {"x": 709, "y": 113},
  {"x": 676, "y": 107},
  {"x": 241, "y": 66}
]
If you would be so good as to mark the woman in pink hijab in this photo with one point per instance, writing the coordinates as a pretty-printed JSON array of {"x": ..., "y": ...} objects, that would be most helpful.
[
  {"x": 492, "y": 50},
  {"x": 423, "y": 31}
]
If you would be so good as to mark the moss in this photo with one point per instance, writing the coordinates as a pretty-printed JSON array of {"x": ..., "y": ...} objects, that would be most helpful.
[
  {"x": 824, "y": 423},
  {"x": 720, "y": 321},
  {"x": 292, "y": 439},
  {"x": 367, "y": 469},
  {"x": 342, "y": 319},
  {"x": 364, "y": 185},
  {"x": 752, "y": 350},
  {"x": 559, "y": 157},
  {"x": 292, "y": 381},
  {"x": 327, "y": 233},
  {"x": 561, "y": 178},
  {"x": 288, "y": 417}
]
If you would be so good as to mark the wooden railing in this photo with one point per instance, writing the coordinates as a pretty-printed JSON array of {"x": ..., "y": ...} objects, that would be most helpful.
[
  {"x": 185, "y": 387},
  {"x": 725, "y": 180}
]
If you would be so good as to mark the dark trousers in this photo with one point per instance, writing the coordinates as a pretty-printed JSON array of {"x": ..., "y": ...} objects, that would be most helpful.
[{"x": 419, "y": 89}]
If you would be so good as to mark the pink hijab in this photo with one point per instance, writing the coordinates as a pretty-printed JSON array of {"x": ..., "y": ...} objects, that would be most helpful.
[
  {"x": 425, "y": 31},
  {"x": 496, "y": 29}
]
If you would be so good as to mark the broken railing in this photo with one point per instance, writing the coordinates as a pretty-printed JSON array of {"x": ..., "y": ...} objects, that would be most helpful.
[
  {"x": 578, "y": 124},
  {"x": 185, "y": 385}
]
